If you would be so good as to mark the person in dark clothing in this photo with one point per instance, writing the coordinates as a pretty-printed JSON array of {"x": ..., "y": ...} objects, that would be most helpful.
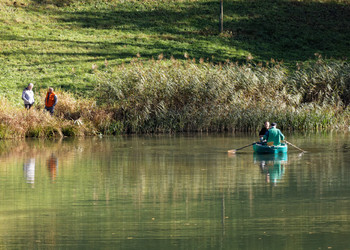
[
  {"x": 264, "y": 129},
  {"x": 274, "y": 136}
]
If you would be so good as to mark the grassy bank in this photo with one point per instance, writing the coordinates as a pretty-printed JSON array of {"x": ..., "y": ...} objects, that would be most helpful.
[{"x": 167, "y": 96}]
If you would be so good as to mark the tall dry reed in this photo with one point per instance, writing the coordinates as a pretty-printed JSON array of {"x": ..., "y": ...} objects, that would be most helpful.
[{"x": 171, "y": 96}]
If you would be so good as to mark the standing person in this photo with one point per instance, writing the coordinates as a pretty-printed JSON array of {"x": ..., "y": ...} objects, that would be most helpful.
[
  {"x": 50, "y": 101},
  {"x": 28, "y": 96},
  {"x": 274, "y": 136},
  {"x": 264, "y": 130}
]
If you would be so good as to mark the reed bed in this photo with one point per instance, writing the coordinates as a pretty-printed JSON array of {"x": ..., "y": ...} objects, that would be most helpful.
[{"x": 176, "y": 96}]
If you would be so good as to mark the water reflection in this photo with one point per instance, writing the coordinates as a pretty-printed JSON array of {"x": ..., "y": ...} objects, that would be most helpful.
[
  {"x": 52, "y": 166},
  {"x": 29, "y": 170},
  {"x": 272, "y": 166},
  {"x": 176, "y": 192}
]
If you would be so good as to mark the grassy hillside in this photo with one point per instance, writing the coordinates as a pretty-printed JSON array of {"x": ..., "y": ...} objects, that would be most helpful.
[{"x": 62, "y": 42}]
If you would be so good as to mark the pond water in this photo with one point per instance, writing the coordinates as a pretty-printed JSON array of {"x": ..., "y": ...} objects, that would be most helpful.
[{"x": 174, "y": 192}]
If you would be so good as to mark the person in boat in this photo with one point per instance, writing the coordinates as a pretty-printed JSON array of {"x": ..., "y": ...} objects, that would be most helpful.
[
  {"x": 28, "y": 96},
  {"x": 273, "y": 136},
  {"x": 50, "y": 101},
  {"x": 264, "y": 130}
]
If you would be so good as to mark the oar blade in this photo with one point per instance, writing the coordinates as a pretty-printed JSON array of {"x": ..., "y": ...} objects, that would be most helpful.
[{"x": 231, "y": 152}]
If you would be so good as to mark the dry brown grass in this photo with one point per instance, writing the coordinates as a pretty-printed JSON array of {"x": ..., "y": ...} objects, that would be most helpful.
[{"x": 72, "y": 117}]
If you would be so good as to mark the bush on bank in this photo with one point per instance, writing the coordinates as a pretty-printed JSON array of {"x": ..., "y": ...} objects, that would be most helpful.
[{"x": 175, "y": 96}]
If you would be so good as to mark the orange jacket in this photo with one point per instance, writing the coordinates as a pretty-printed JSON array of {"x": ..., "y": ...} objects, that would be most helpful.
[{"x": 50, "y": 100}]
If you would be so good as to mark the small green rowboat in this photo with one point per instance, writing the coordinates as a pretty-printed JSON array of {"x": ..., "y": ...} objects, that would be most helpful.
[{"x": 265, "y": 149}]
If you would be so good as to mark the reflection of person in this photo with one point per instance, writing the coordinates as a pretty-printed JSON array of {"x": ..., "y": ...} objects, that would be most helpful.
[
  {"x": 264, "y": 130},
  {"x": 28, "y": 96},
  {"x": 52, "y": 165},
  {"x": 29, "y": 170},
  {"x": 50, "y": 101},
  {"x": 274, "y": 136},
  {"x": 276, "y": 172},
  {"x": 273, "y": 165}
]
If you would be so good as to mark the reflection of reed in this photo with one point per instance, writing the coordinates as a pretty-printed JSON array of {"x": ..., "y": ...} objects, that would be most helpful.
[
  {"x": 23, "y": 148},
  {"x": 11, "y": 150}
]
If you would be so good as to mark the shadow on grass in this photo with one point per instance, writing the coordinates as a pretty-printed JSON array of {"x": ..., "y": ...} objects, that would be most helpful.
[
  {"x": 283, "y": 30},
  {"x": 279, "y": 29}
]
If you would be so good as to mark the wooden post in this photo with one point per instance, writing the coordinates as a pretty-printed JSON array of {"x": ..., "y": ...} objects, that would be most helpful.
[{"x": 221, "y": 16}]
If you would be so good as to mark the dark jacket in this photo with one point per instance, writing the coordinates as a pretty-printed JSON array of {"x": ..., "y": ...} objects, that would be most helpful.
[{"x": 263, "y": 131}]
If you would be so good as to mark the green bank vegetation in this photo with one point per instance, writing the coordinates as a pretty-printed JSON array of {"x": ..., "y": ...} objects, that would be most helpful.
[{"x": 161, "y": 66}]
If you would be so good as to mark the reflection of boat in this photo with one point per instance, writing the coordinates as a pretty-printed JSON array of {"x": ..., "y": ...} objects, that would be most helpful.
[
  {"x": 270, "y": 157},
  {"x": 272, "y": 165},
  {"x": 265, "y": 149}
]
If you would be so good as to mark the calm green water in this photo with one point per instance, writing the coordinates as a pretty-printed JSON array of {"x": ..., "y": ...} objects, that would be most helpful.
[{"x": 174, "y": 192}]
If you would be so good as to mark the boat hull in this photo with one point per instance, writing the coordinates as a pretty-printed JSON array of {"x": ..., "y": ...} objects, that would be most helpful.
[{"x": 265, "y": 149}]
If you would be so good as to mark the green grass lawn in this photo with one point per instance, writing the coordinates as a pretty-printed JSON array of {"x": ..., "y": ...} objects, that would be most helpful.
[{"x": 59, "y": 46}]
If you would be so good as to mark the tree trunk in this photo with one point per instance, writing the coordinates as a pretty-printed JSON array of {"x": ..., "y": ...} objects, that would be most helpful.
[{"x": 221, "y": 16}]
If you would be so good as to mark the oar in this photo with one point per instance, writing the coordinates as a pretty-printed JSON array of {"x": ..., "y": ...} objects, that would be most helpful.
[
  {"x": 295, "y": 146},
  {"x": 233, "y": 151}
]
